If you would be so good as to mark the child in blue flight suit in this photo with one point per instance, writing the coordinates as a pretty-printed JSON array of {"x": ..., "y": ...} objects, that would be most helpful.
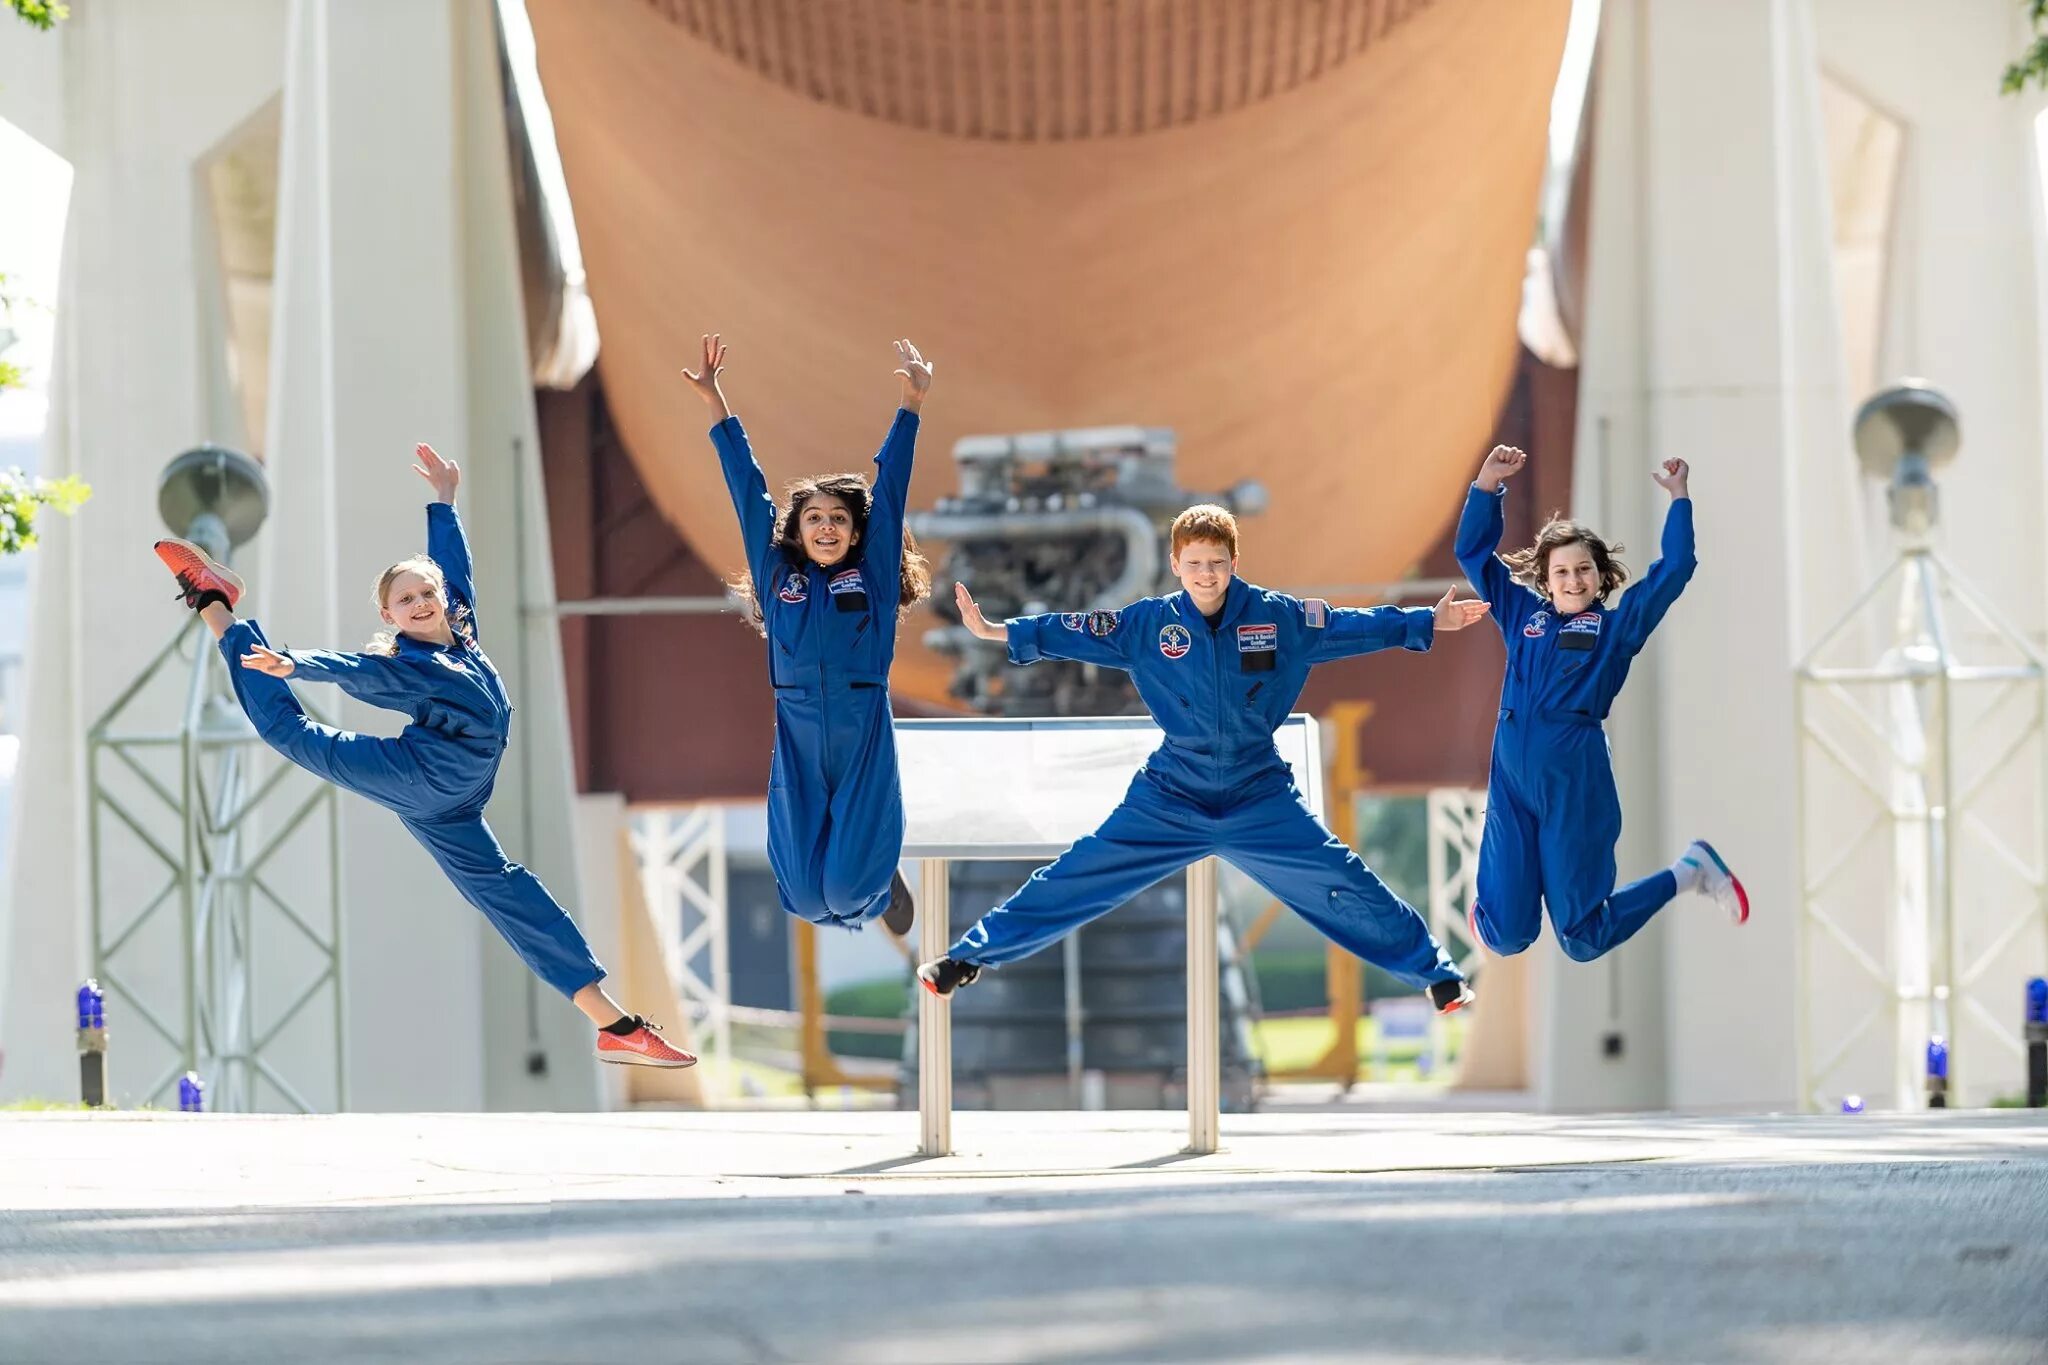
[
  {"x": 1552, "y": 813},
  {"x": 1218, "y": 665},
  {"x": 827, "y": 581},
  {"x": 437, "y": 775}
]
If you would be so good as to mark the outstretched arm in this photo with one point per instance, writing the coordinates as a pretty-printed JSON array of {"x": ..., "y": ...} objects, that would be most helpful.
[
  {"x": 1093, "y": 637},
  {"x": 447, "y": 545},
  {"x": 883, "y": 553},
  {"x": 1644, "y": 605},
  {"x": 743, "y": 477},
  {"x": 1344, "y": 632},
  {"x": 373, "y": 678},
  {"x": 1479, "y": 531}
]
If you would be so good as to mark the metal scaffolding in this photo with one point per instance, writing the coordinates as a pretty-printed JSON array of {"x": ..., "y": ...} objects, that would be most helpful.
[
  {"x": 1921, "y": 716},
  {"x": 212, "y": 831},
  {"x": 680, "y": 851}
]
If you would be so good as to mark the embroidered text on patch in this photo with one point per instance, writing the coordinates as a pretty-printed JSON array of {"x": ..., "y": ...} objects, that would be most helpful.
[{"x": 1260, "y": 639}]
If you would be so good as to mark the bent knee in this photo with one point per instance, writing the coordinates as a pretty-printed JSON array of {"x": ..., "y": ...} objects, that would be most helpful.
[{"x": 1580, "y": 949}]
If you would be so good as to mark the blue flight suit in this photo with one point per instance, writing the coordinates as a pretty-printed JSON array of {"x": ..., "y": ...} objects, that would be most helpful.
[
  {"x": 437, "y": 774},
  {"x": 1552, "y": 813},
  {"x": 835, "y": 802},
  {"x": 1217, "y": 783}
]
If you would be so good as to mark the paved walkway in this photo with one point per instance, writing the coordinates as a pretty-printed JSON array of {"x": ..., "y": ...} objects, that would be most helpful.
[{"x": 648, "y": 1238}]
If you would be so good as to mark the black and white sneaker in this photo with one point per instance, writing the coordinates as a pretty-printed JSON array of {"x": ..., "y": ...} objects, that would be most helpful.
[
  {"x": 902, "y": 911},
  {"x": 1450, "y": 996},
  {"x": 947, "y": 975}
]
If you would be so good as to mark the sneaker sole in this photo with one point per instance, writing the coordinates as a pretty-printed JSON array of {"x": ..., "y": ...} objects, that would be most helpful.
[
  {"x": 635, "y": 1059},
  {"x": 221, "y": 571},
  {"x": 1741, "y": 896}
]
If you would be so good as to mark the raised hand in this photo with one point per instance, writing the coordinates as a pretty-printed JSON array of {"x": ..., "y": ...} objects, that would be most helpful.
[
  {"x": 1502, "y": 463},
  {"x": 971, "y": 617},
  {"x": 1672, "y": 478},
  {"x": 1454, "y": 615},
  {"x": 704, "y": 379},
  {"x": 915, "y": 372},
  {"x": 266, "y": 660},
  {"x": 445, "y": 475}
]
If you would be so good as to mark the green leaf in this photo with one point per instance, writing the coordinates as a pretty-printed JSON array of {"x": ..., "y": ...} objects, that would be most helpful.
[
  {"x": 40, "y": 13},
  {"x": 22, "y": 497}
]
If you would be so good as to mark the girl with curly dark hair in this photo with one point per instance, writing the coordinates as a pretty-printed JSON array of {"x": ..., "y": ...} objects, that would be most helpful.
[{"x": 827, "y": 580}]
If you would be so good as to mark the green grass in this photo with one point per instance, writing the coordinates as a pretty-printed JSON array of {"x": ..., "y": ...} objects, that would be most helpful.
[
  {"x": 1289, "y": 1044},
  {"x": 39, "y": 1106}
]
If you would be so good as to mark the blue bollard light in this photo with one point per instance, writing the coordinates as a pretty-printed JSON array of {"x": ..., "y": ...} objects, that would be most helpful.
[
  {"x": 2037, "y": 1043},
  {"x": 191, "y": 1094},
  {"x": 1937, "y": 1072},
  {"x": 1852, "y": 1104},
  {"x": 92, "y": 1045}
]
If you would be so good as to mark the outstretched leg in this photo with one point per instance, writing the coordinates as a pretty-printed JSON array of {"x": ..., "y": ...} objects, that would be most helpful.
[
  {"x": 1148, "y": 836},
  {"x": 387, "y": 771},
  {"x": 1279, "y": 843}
]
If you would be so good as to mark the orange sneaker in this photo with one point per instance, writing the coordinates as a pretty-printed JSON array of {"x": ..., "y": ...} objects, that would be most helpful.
[
  {"x": 644, "y": 1046},
  {"x": 198, "y": 576}
]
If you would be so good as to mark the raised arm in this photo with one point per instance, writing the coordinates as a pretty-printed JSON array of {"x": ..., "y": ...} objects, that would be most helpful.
[
  {"x": 743, "y": 477},
  {"x": 1644, "y": 605},
  {"x": 447, "y": 546},
  {"x": 883, "y": 553},
  {"x": 1479, "y": 531},
  {"x": 1089, "y": 637}
]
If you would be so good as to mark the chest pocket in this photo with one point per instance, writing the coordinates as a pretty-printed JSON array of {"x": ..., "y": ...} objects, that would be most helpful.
[
  {"x": 1258, "y": 648},
  {"x": 849, "y": 590},
  {"x": 1578, "y": 638}
]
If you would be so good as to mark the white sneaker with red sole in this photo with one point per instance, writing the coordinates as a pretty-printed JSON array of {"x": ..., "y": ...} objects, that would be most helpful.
[
  {"x": 196, "y": 572},
  {"x": 644, "y": 1046},
  {"x": 1717, "y": 881}
]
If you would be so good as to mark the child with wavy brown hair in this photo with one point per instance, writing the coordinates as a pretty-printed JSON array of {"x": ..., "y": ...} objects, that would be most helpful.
[
  {"x": 1552, "y": 813},
  {"x": 826, "y": 582}
]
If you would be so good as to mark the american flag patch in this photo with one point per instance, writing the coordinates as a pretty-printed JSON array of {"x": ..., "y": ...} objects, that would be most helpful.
[{"x": 1317, "y": 612}]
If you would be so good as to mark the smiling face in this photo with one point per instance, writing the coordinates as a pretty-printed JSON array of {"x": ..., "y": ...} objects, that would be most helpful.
[
  {"x": 1571, "y": 578},
  {"x": 415, "y": 604},
  {"x": 1204, "y": 568},
  {"x": 825, "y": 525}
]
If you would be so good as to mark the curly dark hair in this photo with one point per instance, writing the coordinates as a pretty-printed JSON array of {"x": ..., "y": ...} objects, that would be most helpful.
[
  {"x": 1532, "y": 565},
  {"x": 853, "y": 490}
]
